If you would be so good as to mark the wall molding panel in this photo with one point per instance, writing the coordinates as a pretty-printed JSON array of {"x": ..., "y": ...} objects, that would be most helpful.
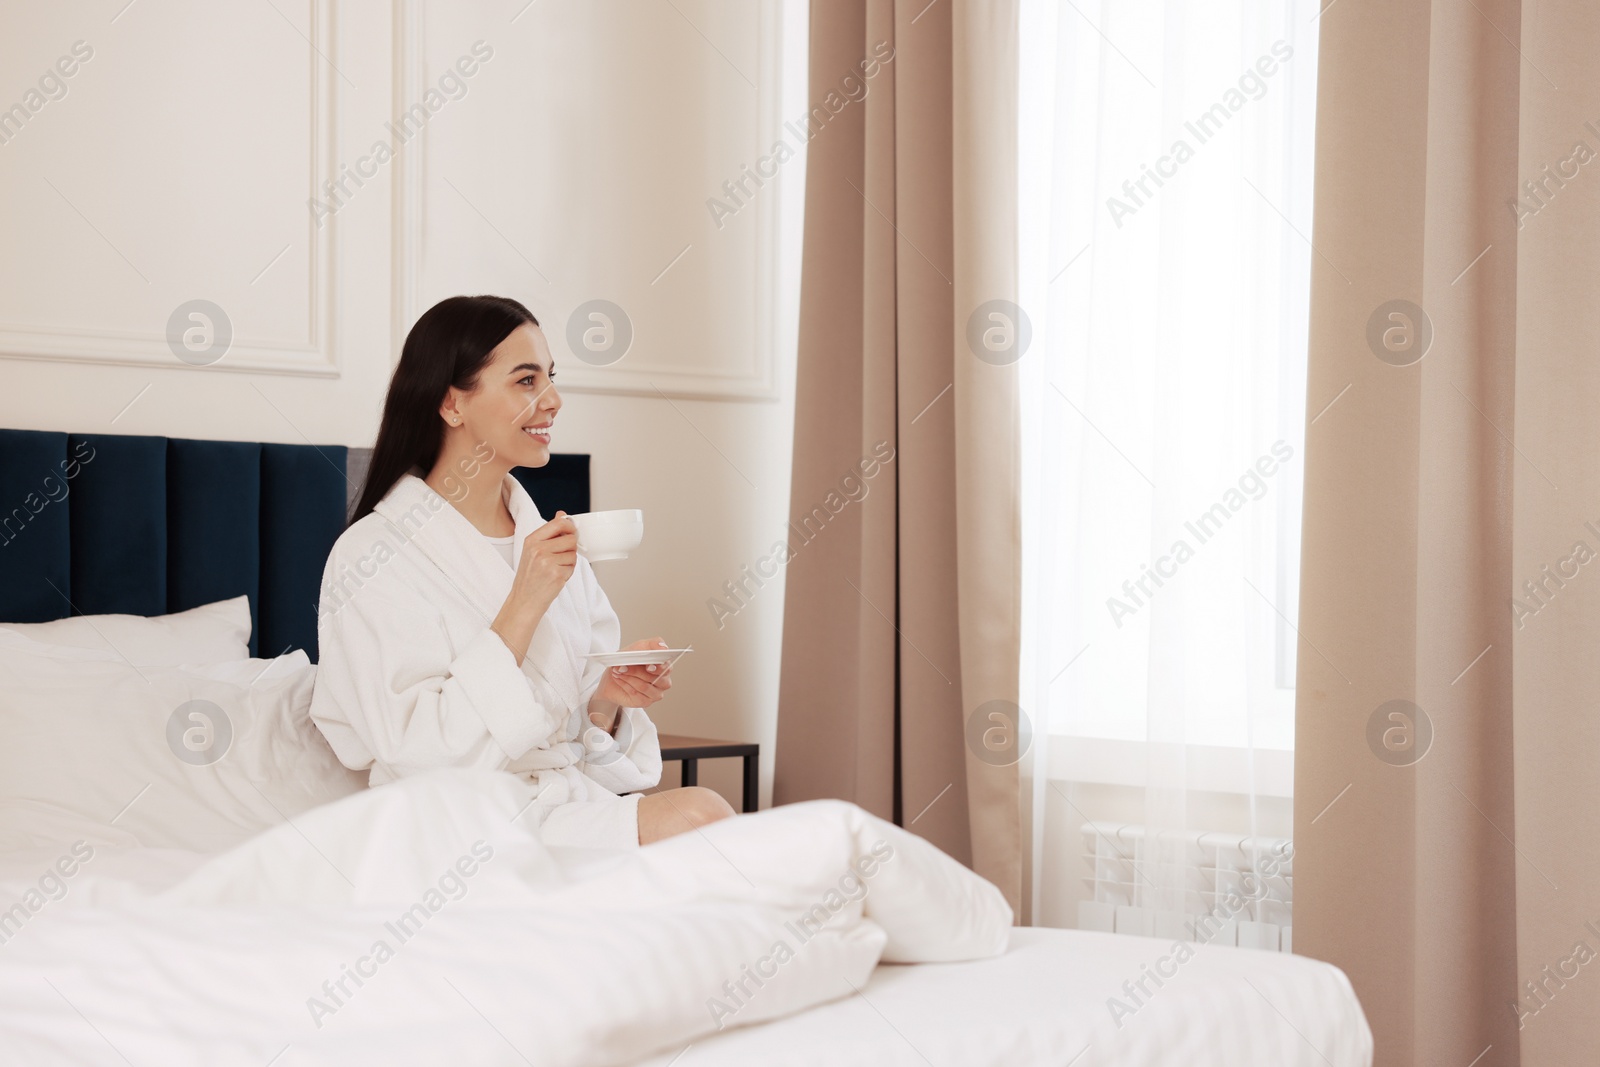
[
  {"x": 312, "y": 350},
  {"x": 672, "y": 362}
]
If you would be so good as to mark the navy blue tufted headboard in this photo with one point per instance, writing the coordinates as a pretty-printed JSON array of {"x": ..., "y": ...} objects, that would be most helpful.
[{"x": 93, "y": 524}]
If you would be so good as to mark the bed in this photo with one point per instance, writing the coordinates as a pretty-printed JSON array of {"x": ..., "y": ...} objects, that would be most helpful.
[
  {"x": 1044, "y": 1001},
  {"x": 172, "y": 895}
]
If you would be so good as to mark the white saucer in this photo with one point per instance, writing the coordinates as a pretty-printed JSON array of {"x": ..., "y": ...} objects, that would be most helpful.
[{"x": 637, "y": 656}]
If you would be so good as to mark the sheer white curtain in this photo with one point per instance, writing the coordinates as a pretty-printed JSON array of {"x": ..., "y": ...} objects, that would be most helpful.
[{"x": 1166, "y": 199}]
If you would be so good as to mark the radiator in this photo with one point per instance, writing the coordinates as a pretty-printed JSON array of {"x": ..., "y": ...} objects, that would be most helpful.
[{"x": 1235, "y": 890}]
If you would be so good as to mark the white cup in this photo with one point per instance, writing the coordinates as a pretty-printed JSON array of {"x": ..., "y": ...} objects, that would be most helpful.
[{"x": 609, "y": 534}]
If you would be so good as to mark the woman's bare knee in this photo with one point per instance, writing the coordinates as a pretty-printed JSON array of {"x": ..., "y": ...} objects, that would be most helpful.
[
  {"x": 706, "y": 805},
  {"x": 677, "y": 811}
]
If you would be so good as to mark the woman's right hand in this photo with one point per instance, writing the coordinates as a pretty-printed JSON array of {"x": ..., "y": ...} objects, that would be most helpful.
[{"x": 549, "y": 555}]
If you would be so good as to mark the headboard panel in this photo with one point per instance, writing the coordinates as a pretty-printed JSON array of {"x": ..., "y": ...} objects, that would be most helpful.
[
  {"x": 101, "y": 523},
  {"x": 31, "y": 466},
  {"x": 123, "y": 487},
  {"x": 214, "y": 533}
]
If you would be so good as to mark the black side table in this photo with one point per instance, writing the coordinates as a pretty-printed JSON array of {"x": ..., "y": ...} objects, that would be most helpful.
[{"x": 691, "y": 750}]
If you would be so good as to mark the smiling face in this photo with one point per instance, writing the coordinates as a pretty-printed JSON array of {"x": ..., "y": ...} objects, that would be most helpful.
[{"x": 514, "y": 402}]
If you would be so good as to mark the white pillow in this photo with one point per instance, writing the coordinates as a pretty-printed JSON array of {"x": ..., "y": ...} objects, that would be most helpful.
[
  {"x": 197, "y": 758},
  {"x": 207, "y": 634}
]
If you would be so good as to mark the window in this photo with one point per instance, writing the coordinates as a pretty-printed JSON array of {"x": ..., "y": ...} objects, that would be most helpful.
[{"x": 1166, "y": 202}]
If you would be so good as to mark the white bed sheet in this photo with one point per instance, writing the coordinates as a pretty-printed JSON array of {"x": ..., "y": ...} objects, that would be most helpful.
[
  {"x": 178, "y": 958},
  {"x": 1045, "y": 1002},
  {"x": 424, "y": 922}
]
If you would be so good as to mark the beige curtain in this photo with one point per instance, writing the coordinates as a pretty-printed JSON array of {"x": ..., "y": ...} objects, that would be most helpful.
[
  {"x": 1446, "y": 845},
  {"x": 902, "y": 605}
]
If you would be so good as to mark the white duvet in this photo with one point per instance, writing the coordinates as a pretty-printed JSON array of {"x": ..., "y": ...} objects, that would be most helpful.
[{"x": 424, "y": 922}]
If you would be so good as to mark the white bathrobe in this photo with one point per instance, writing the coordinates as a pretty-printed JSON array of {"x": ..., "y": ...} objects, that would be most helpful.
[{"x": 411, "y": 678}]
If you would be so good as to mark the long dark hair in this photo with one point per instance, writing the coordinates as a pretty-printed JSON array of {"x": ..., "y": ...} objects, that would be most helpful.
[{"x": 449, "y": 345}]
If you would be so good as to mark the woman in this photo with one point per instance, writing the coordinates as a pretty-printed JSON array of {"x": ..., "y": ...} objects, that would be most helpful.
[{"x": 454, "y": 619}]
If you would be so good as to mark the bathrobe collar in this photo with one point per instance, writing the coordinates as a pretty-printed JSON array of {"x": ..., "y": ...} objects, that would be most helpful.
[{"x": 479, "y": 573}]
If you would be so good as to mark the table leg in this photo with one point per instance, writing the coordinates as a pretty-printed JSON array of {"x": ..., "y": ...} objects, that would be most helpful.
[
  {"x": 752, "y": 782},
  {"x": 691, "y": 772}
]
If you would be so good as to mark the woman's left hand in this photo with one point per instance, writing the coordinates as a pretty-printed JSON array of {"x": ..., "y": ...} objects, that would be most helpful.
[{"x": 638, "y": 686}]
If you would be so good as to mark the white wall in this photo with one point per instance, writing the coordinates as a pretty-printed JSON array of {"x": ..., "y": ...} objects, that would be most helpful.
[{"x": 180, "y": 160}]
